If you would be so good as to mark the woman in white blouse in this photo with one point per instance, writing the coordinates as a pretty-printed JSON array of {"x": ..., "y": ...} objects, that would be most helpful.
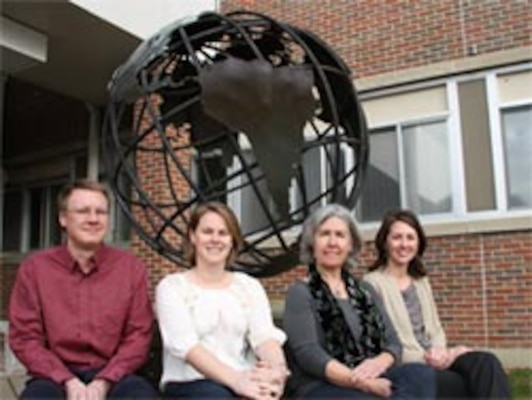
[{"x": 219, "y": 340}]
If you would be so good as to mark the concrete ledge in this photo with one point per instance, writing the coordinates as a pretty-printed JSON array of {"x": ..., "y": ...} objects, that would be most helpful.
[
  {"x": 465, "y": 64},
  {"x": 11, "y": 386},
  {"x": 514, "y": 358}
]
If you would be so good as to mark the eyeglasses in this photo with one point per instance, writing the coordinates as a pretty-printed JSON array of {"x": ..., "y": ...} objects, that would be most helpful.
[{"x": 87, "y": 211}]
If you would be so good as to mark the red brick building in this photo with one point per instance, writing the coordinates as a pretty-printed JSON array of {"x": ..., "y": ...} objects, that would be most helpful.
[{"x": 458, "y": 73}]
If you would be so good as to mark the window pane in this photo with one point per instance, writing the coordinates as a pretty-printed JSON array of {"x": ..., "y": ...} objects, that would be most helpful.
[
  {"x": 427, "y": 168},
  {"x": 253, "y": 217},
  {"x": 210, "y": 174},
  {"x": 312, "y": 175},
  {"x": 12, "y": 222},
  {"x": 55, "y": 229},
  {"x": 381, "y": 188},
  {"x": 36, "y": 218},
  {"x": 517, "y": 136},
  {"x": 335, "y": 167}
]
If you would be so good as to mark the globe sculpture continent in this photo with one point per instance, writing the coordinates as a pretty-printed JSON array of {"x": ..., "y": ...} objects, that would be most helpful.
[{"x": 238, "y": 108}]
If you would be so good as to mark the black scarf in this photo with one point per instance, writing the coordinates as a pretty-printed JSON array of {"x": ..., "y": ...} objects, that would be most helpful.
[{"x": 339, "y": 339}]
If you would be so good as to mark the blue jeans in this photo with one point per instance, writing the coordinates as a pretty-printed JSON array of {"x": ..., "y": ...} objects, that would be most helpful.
[
  {"x": 412, "y": 381},
  {"x": 129, "y": 387},
  {"x": 200, "y": 389},
  {"x": 409, "y": 381}
]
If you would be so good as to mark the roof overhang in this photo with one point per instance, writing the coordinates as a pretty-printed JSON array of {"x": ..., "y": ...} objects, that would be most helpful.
[{"x": 62, "y": 47}]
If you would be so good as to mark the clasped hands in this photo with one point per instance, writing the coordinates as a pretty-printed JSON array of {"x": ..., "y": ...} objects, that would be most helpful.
[
  {"x": 264, "y": 381},
  {"x": 442, "y": 358},
  {"x": 95, "y": 390},
  {"x": 366, "y": 376}
]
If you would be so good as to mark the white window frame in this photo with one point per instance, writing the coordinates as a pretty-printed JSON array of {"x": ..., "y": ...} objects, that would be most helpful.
[
  {"x": 456, "y": 173},
  {"x": 496, "y": 106}
]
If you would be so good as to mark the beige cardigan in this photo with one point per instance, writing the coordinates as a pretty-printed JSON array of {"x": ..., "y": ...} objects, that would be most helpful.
[{"x": 393, "y": 301}]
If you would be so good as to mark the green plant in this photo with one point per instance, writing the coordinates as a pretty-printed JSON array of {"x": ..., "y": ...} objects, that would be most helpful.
[{"x": 521, "y": 383}]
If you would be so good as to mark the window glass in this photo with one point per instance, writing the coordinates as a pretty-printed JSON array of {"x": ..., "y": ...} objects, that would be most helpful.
[
  {"x": 381, "y": 190},
  {"x": 427, "y": 168},
  {"x": 408, "y": 168},
  {"x": 210, "y": 175},
  {"x": 36, "y": 217},
  {"x": 253, "y": 217},
  {"x": 311, "y": 162},
  {"x": 54, "y": 230},
  {"x": 12, "y": 226},
  {"x": 336, "y": 170},
  {"x": 517, "y": 139}
]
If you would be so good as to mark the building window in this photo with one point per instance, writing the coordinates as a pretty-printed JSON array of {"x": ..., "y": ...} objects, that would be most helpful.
[
  {"x": 30, "y": 218},
  {"x": 427, "y": 177},
  {"x": 318, "y": 165},
  {"x": 12, "y": 226},
  {"x": 512, "y": 137},
  {"x": 516, "y": 126},
  {"x": 409, "y": 168},
  {"x": 247, "y": 201}
]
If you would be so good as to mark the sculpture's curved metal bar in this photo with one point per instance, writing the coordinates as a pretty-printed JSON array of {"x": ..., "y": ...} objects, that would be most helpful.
[{"x": 169, "y": 66}]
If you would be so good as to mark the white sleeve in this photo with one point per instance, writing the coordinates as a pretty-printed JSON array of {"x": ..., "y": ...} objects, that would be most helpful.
[
  {"x": 261, "y": 327},
  {"x": 175, "y": 322}
]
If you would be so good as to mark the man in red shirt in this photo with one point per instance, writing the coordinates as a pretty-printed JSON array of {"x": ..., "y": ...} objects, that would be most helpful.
[{"x": 80, "y": 315}]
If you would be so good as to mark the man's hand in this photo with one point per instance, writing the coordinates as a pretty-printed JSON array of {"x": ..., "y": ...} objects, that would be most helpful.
[
  {"x": 97, "y": 389},
  {"x": 75, "y": 389}
]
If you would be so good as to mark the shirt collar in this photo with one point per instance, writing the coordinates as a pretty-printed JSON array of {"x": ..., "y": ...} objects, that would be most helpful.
[{"x": 71, "y": 264}]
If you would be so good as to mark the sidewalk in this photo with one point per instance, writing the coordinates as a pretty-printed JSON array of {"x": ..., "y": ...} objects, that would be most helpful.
[{"x": 10, "y": 386}]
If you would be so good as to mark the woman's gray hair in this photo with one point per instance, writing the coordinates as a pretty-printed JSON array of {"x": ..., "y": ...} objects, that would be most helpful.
[{"x": 315, "y": 220}]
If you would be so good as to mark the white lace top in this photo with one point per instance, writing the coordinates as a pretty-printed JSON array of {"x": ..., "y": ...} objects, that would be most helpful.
[{"x": 228, "y": 322}]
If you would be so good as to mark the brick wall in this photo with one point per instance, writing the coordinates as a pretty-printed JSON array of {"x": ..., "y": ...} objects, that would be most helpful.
[
  {"x": 162, "y": 182},
  {"x": 482, "y": 284},
  {"x": 379, "y": 36}
]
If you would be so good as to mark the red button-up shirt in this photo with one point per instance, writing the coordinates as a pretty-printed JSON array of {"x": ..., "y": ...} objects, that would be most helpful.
[{"x": 62, "y": 319}]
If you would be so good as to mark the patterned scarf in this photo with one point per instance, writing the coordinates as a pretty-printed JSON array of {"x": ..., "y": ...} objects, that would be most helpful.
[{"x": 340, "y": 342}]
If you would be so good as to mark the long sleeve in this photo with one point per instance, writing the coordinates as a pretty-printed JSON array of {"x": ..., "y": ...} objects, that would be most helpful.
[
  {"x": 396, "y": 308},
  {"x": 134, "y": 347},
  {"x": 175, "y": 322},
  {"x": 394, "y": 304},
  {"x": 261, "y": 327},
  {"x": 26, "y": 329},
  {"x": 300, "y": 325}
]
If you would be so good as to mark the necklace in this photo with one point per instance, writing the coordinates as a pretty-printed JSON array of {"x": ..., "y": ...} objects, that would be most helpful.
[{"x": 338, "y": 289}]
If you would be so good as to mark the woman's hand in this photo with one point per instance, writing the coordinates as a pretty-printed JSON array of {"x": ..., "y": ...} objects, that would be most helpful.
[
  {"x": 254, "y": 384},
  {"x": 457, "y": 351},
  {"x": 439, "y": 357},
  {"x": 274, "y": 374},
  {"x": 372, "y": 368},
  {"x": 381, "y": 387}
]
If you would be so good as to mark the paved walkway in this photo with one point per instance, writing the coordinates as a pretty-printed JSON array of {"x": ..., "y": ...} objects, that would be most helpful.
[{"x": 10, "y": 386}]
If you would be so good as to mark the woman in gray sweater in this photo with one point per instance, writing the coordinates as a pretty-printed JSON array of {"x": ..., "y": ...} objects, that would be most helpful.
[{"x": 341, "y": 343}]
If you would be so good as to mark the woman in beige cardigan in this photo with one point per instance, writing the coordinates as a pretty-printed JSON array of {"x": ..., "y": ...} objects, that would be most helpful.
[{"x": 400, "y": 278}]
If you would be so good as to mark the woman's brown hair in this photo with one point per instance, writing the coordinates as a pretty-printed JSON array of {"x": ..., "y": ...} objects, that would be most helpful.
[
  {"x": 232, "y": 226},
  {"x": 416, "y": 268}
]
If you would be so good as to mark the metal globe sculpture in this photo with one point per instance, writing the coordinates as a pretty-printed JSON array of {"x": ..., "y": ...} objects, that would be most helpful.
[{"x": 239, "y": 108}]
